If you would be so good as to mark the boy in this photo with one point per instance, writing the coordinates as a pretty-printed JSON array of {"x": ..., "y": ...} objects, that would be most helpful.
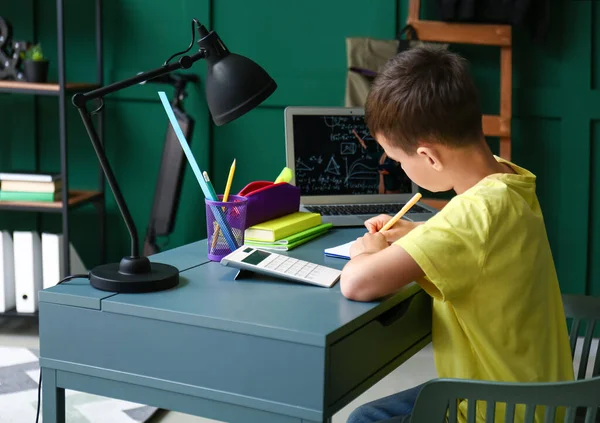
[{"x": 484, "y": 258}]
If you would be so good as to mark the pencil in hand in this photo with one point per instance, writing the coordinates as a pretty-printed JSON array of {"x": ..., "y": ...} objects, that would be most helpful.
[{"x": 402, "y": 212}]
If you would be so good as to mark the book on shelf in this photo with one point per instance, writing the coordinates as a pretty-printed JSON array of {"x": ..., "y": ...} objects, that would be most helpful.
[
  {"x": 30, "y": 186},
  {"x": 292, "y": 241},
  {"x": 29, "y": 176},
  {"x": 30, "y": 196}
]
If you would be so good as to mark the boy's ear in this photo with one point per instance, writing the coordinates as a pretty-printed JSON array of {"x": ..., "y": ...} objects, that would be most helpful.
[{"x": 432, "y": 156}]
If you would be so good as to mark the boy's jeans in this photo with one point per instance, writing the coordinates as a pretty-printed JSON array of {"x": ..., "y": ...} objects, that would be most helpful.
[{"x": 396, "y": 408}]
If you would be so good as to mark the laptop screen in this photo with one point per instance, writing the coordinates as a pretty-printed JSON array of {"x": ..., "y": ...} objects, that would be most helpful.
[{"x": 336, "y": 155}]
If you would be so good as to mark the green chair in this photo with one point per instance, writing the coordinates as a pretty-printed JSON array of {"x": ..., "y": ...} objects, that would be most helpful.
[
  {"x": 439, "y": 398},
  {"x": 584, "y": 313}
]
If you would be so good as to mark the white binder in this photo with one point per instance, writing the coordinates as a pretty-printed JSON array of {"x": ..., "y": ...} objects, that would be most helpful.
[
  {"x": 28, "y": 270},
  {"x": 7, "y": 272},
  {"x": 52, "y": 255}
]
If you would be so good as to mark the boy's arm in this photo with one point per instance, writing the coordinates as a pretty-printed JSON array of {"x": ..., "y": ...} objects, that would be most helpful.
[{"x": 377, "y": 270}]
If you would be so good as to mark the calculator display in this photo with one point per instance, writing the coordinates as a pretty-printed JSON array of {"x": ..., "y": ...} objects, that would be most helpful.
[{"x": 256, "y": 257}]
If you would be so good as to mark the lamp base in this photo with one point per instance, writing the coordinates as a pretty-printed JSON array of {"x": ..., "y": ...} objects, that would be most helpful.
[{"x": 134, "y": 275}]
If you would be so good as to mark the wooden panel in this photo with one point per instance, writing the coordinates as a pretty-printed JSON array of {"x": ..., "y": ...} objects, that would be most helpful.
[
  {"x": 505, "y": 81},
  {"x": 496, "y": 35},
  {"x": 496, "y": 126},
  {"x": 505, "y": 148},
  {"x": 414, "y": 7}
]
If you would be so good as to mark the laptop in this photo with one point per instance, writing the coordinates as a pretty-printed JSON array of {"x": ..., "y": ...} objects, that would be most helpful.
[{"x": 341, "y": 171}]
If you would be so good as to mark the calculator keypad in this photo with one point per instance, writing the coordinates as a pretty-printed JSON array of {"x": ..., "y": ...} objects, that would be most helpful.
[{"x": 299, "y": 268}]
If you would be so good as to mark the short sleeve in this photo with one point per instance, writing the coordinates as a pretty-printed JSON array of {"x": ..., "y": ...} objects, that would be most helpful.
[{"x": 450, "y": 248}]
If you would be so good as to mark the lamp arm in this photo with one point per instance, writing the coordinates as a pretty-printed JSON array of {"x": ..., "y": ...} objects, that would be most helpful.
[{"x": 80, "y": 101}]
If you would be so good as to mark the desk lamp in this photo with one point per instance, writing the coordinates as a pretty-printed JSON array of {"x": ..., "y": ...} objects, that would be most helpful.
[{"x": 234, "y": 86}]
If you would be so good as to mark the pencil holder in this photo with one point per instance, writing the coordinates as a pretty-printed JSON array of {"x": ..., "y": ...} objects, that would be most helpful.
[{"x": 222, "y": 241}]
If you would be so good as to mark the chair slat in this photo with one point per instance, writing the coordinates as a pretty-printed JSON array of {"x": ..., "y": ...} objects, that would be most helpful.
[
  {"x": 510, "y": 412},
  {"x": 550, "y": 414},
  {"x": 590, "y": 416},
  {"x": 452, "y": 411},
  {"x": 471, "y": 413},
  {"x": 585, "y": 352},
  {"x": 570, "y": 415},
  {"x": 573, "y": 335},
  {"x": 596, "y": 369},
  {"x": 529, "y": 413},
  {"x": 490, "y": 411}
]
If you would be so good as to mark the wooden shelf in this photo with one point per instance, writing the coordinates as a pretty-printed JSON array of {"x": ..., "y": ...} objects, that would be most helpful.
[
  {"x": 76, "y": 199},
  {"x": 443, "y": 32},
  {"x": 43, "y": 89}
]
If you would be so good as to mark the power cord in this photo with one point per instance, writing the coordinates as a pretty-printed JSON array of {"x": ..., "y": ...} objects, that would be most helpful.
[
  {"x": 37, "y": 414},
  {"x": 39, "y": 392},
  {"x": 194, "y": 23},
  {"x": 79, "y": 276}
]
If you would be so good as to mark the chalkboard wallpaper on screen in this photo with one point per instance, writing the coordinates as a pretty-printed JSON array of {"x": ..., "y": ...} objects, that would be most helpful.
[{"x": 336, "y": 155}]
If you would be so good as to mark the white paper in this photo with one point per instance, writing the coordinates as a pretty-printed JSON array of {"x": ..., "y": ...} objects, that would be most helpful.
[{"x": 341, "y": 251}]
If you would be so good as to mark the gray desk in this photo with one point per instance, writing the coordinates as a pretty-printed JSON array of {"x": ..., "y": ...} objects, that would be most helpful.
[{"x": 256, "y": 350}]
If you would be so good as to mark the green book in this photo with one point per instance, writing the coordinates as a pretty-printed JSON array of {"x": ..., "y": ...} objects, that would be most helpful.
[
  {"x": 29, "y": 196},
  {"x": 292, "y": 241}
]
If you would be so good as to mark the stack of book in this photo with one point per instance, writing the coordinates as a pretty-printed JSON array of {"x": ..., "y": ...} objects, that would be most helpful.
[
  {"x": 286, "y": 232},
  {"x": 30, "y": 187}
]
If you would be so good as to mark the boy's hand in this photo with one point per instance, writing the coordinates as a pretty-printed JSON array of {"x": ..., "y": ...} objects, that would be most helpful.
[
  {"x": 370, "y": 243},
  {"x": 401, "y": 228}
]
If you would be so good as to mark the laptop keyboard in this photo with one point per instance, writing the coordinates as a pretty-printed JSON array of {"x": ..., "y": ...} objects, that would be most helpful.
[{"x": 362, "y": 209}]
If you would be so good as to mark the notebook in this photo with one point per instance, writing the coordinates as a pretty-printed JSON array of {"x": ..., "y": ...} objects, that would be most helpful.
[
  {"x": 341, "y": 251},
  {"x": 292, "y": 241},
  {"x": 276, "y": 229}
]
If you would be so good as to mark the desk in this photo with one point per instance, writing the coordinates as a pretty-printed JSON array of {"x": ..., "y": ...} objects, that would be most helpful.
[{"x": 256, "y": 350}]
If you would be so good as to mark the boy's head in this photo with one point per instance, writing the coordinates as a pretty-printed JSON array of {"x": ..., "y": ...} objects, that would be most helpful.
[{"x": 423, "y": 104}]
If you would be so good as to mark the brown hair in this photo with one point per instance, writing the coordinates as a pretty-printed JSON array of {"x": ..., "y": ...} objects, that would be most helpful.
[{"x": 425, "y": 94}]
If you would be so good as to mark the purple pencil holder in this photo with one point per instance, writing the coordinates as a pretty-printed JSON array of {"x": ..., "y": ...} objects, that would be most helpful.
[{"x": 234, "y": 212}]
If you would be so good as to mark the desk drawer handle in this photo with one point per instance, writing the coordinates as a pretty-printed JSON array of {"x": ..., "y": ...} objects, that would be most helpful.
[{"x": 395, "y": 313}]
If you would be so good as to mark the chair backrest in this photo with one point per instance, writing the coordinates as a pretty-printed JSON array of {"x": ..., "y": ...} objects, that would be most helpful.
[
  {"x": 440, "y": 397},
  {"x": 584, "y": 313}
]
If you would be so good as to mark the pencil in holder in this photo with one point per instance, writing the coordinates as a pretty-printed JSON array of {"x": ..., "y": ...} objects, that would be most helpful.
[{"x": 233, "y": 214}]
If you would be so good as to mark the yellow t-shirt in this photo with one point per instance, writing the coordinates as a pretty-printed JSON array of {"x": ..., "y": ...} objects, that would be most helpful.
[{"x": 497, "y": 308}]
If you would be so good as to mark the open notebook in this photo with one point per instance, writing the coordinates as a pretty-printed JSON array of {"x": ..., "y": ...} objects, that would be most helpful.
[{"x": 341, "y": 251}]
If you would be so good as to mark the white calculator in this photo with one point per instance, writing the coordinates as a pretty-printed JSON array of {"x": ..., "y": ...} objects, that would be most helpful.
[{"x": 280, "y": 266}]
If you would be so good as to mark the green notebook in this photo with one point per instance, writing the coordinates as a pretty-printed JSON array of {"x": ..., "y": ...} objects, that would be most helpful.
[{"x": 292, "y": 241}]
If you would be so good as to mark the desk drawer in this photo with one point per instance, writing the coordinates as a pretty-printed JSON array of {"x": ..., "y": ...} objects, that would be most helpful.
[{"x": 365, "y": 351}]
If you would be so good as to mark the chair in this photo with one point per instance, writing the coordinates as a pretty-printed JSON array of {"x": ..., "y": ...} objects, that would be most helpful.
[
  {"x": 439, "y": 397},
  {"x": 584, "y": 313}
]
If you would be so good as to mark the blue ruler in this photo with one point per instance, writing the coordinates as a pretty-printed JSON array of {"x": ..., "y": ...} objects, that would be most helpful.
[{"x": 208, "y": 193}]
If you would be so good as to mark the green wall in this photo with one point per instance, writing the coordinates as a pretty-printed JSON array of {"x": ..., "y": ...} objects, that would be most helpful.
[{"x": 301, "y": 44}]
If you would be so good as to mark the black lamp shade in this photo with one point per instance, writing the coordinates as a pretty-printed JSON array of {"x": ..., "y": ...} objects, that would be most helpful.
[{"x": 234, "y": 84}]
